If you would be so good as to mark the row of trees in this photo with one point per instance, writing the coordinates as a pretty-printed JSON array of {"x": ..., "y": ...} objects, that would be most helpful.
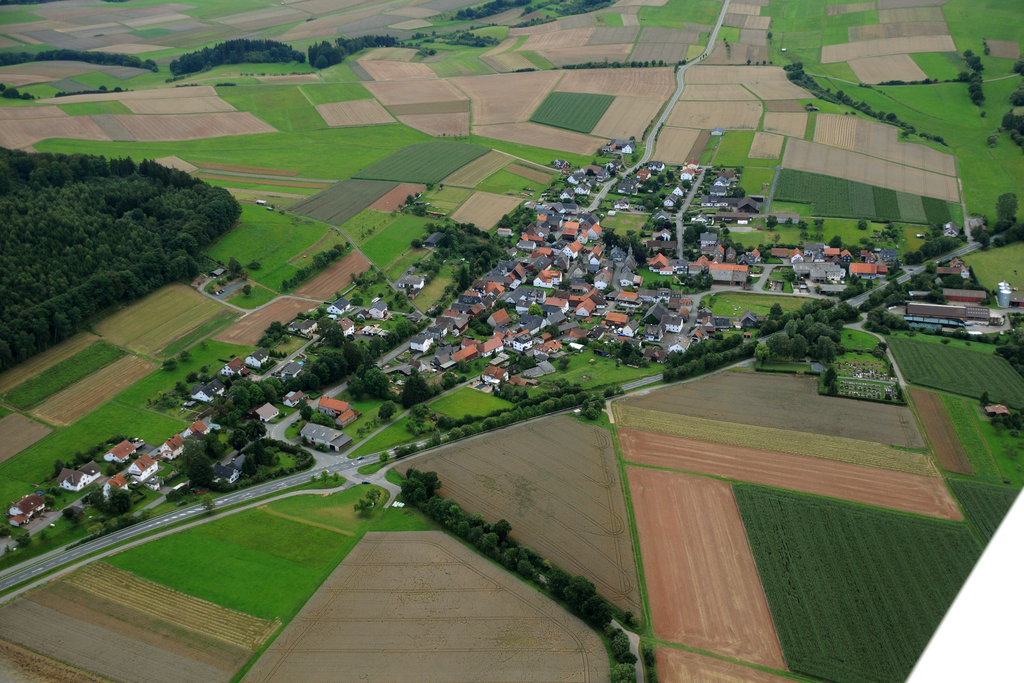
[
  {"x": 325, "y": 54},
  {"x": 102, "y": 58},
  {"x": 239, "y": 51}
]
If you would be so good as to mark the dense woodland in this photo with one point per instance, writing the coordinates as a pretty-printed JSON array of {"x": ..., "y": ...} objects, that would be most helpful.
[
  {"x": 241, "y": 51},
  {"x": 79, "y": 233},
  {"x": 9, "y": 58},
  {"x": 324, "y": 54}
]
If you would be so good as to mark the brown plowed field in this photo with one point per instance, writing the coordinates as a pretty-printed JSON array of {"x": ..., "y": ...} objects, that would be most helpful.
[
  {"x": 354, "y": 113},
  {"x": 699, "y": 144},
  {"x": 766, "y": 146},
  {"x": 508, "y": 61},
  {"x": 394, "y": 199},
  {"x": 784, "y": 106},
  {"x": 438, "y": 125},
  {"x": 19, "y": 133},
  {"x": 833, "y": 10},
  {"x": 414, "y": 92},
  {"x": 17, "y": 433},
  {"x": 785, "y": 123},
  {"x": 534, "y": 174},
  {"x": 87, "y": 395},
  {"x": 728, "y": 115},
  {"x": 339, "y": 275},
  {"x": 484, "y": 209},
  {"x": 557, "y": 483},
  {"x": 1004, "y": 49},
  {"x": 716, "y": 93},
  {"x": 420, "y": 606},
  {"x": 674, "y": 144},
  {"x": 939, "y": 429},
  {"x": 452, "y": 107},
  {"x": 658, "y": 83},
  {"x": 587, "y": 53},
  {"x": 542, "y": 136},
  {"x": 477, "y": 170},
  {"x": 491, "y": 98},
  {"x": 736, "y": 53},
  {"x": 25, "y": 666},
  {"x": 249, "y": 329},
  {"x": 658, "y": 34},
  {"x": 890, "y": 68},
  {"x": 176, "y": 163},
  {"x": 397, "y": 71},
  {"x": 576, "y": 37},
  {"x": 897, "y": 30},
  {"x": 844, "y": 52},
  {"x": 192, "y": 105},
  {"x": 391, "y": 54},
  {"x": 177, "y": 127},
  {"x": 836, "y": 130},
  {"x": 767, "y": 82},
  {"x": 45, "y": 360},
  {"x": 869, "y": 485},
  {"x": 199, "y": 91},
  {"x": 703, "y": 585},
  {"x": 627, "y": 117},
  {"x": 814, "y": 158},
  {"x": 670, "y": 53},
  {"x": 7, "y": 113},
  {"x": 745, "y": 9},
  {"x": 613, "y": 35},
  {"x": 754, "y": 36},
  {"x": 881, "y": 140},
  {"x": 786, "y": 402},
  {"x": 680, "y": 666}
]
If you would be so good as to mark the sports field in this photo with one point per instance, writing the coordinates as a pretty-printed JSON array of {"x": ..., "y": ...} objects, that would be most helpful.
[{"x": 958, "y": 371}]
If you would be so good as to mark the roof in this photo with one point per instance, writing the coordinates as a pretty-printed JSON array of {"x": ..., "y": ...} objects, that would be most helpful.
[
  {"x": 321, "y": 433},
  {"x": 496, "y": 372},
  {"x": 175, "y": 442},
  {"x": 267, "y": 411},
  {"x": 122, "y": 450},
  {"x": 333, "y": 404},
  {"x": 117, "y": 481},
  {"x": 978, "y": 294},
  {"x": 198, "y": 427},
  {"x": 30, "y": 503},
  {"x": 144, "y": 462}
]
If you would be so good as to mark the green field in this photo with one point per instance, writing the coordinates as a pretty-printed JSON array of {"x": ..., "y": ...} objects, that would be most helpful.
[
  {"x": 855, "y": 592},
  {"x": 258, "y": 297},
  {"x": 752, "y": 179},
  {"x": 427, "y": 162},
  {"x": 467, "y": 401},
  {"x": 342, "y": 201},
  {"x": 992, "y": 266},
  {"x": 573, "y": 111},
  {"x": 325, "y": 93},
  {"x": 736, "y": 303},
  {"x": 210, "y": 354},
  {"x": 284, "y": 107},
  {"x": 985, "y": 505},
  {"x": 62, "y": 375},
  {"x": 592, "y": 371},
  {"x": 211, "y": 327},
  {"x": 735, "y": 149},
  {"x": 393, "y": 435},
  {"x": 90, "y": 108},
  {"x": 434, "y": 290},
  {"x": 388, "y": 244},
  {"x": 263, "y": 564},
  {"x": 830, "y": 196},
  {"x": 856, "y": 340},
  {"x": 958, "y": 371},
  {"x": 967, "y": 431},
  {"x": 501, "y": 182}
]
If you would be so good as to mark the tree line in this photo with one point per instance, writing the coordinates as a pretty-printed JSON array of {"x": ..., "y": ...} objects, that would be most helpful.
[
  {"x": 239, "y": 51},
  {"x": 102, "y": 58},
  {"x": 82, "y": 233},
  {"x": 325, "y": 54}
]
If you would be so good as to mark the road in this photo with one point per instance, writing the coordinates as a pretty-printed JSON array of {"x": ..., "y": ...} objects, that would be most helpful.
[
  {"x": 914, "y": 270},
  {"x": 683, "y": 208}
]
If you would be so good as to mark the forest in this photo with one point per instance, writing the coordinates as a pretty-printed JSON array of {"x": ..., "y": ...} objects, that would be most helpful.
[
  {"x": 106, "y": 59},
  {"x": 79, "y": 233},
  {"x": 324, "y": 54},
  {"x": 240, "y": 51}
]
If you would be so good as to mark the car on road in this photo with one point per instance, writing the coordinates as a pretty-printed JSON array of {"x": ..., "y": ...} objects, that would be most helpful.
[{"x": 365, "y": 482}]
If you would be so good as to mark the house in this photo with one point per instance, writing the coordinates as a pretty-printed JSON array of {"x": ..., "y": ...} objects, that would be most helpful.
[
  {"x": 615, "y": 320},
  {"x": 603, "y": 279},
  {"x": 547, "y": 279},
  {"x": 433, "y": 240},
  {"x": 521, "y": 342},
  {"x": 796, "y": 256},
  {"x": 197, "y": 429},
  {"x": 116, "y": 482},
  {"x": 25, "y": 509},
  {"x": 339, "y": 306},
  {"x": 621, "y": 204},
  {"x": 207, "y": 392},
  {"x": 257, "y": 358},
  {"x": 717, "y": 132},
  {"x": 421, "y": 342},
  {"x": 319, "y": 435},
  {"x": 341, "y": 411},
  {"x": 708, "y": 241},
  {"x": 293, "y": 398},
  {"x": 120, "y": 453},
  {"x": 628, "y": 186},
  {"x": 494, "y": 375},
  {"x": 235, "y": 367},
  {"x": 619, "y": 146},
  {"x": 728, "y": 273},
  {"x": 226, "y": 472},
  {"x": 656, "y": 166},
  {"x": 630, "y": 329},
  {"x": 348, "y": 328},
  {"x": 748, "y": 319},
  {"x": 379, "y": 310},
  {"x": 572, "y": 250},
  {"x": 265, "y": 412},
  {"x": 76, "y": 480},
  {"x": 500, "y": 318},
  {"x": 490, "y": 347},
  {"x": 304, "y": 328},
  {"x": 411, "y": 282},
  {"x": 997, "y": 409},
  {"x": 143, "y": 468},
  {"x": 172, "y": 448},
  {"x": 643, "y": 174},
  {"x": 870, "y": 271},
  {"x": 654, "y": 333},
  {"x": 950, "y": 229}
]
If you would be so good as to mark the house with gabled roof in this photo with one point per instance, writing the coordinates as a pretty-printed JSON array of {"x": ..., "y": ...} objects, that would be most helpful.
[
  {"x": 143, "y": 468},
  {"x": 172, "y": 448},
  {"x": 120, "y": 453},
  {"x": 76, "y": 480},
  {"x": 115, "y": 482}
]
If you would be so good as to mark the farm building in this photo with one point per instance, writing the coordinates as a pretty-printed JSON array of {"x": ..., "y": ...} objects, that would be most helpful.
[
  {"x": 319, "y": 435},
  {"x": 970, "y": 296},
  {"x": 934, "y": 316}
]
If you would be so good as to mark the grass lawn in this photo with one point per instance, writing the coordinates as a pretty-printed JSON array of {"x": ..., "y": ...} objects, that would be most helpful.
[
  {"x": 403, "y": 519},
  {"x": 325, "y": 93},
  {"x": 753, "y": 178},
  {"x": 467, "y": 401},
  {"x": 259, "y": 296},
  {"x": 447, "y": 198},
  {"x": 394, "y": 435},
  {"x": 803, "y": 210},
  {"x": 271, "y": 239},
  {"x": 62, "y": 375},
  {"x": 599, "y": 373},
  {"x": 264, "y": 564},
  {"x": 501, "y": 182},
  {"x": 284, "y": 107},
  {"x": 390, "y": 243},
  {"x": 993, "y": 265},
  {"x": 858, "y": 340},
  {"x": 735, "y": 303},
  {"x": 210, "y": 354},
  {"x": 734, "y": 151},
  {"x": 434, "y": 290},
  {"x": 624, "y": 221},
  {"x": 652, "y": 280},
  {"x": 366, "y": 224}
]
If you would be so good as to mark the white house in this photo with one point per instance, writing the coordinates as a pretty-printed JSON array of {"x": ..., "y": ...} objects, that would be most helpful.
[
  {"x": 421, "y": 342},
  {"x": 379, "y": 311},
  {"x": 233, "y": 368},
  {"x": 120, "y": 453},
  {"x": 257, "y": 358},
  {"x": 266, "y": 412},
  {"x": 116, "y": 482},
  {"x": 293, "y": 398},
  {"x": 172, "y": 448},
  {"x": 207, "y": 392},
  {"x": 339, "y": 306},
  {"x": 76, "y": 480},
  {"x": 143, "y": 468}
]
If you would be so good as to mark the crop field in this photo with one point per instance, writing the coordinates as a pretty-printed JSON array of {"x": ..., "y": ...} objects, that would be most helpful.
[
  {"x": 155, "y": 321},
  {"x": 531, "y": 173},
  {"x": 879, "y": 140},
  {"x": 786, "y": 123},
  {"x": 766, "y": 146},
  {"x": 902, "y": 491},
  {"x": 17, "y": 433},
  {"x": 249, "y": 329},
  {"x": 703, "y": 585},
  {"x": 473, "y": 173},
  {"x": 536, "y": 135},
  {"x": 438, "y": 125},
  {"x": 658, "y": 83},
  {"x": 62, "y": 375},
  {"x": 490, "y": 95},
  {"x": 484, "y": 209},
  {"x": 855, "y": 592},
  {"x": 767, "y": 400},
  {"x": 398, "y": 589},
  {"x": 681, "y": 665},
  {"x": 342, "y": 201},
  {"x": 830, "y": 196},
  {"x": 727, "y": 115},
  {"x": 467, "y": 401},
  {"x": 85, "y": 396},
  {"x": 354, "y": 113},
  {"x": 335, "y": 279},
  {"x": 886, "y": 46},
  {"x": 414, "y": 92},
  {"x": 384, "y": 247},
  {"x": 627, "y": 117},
  {"x": 395, "y": 198},
  {"x": 970, "y": 437},
  {"x": 19, "y": 133},
  {"x": 382, "y": 70},
  {"x": 828, "y": 447},
  {"x": 537, "y": 472},
  {"x": 986, "y": 505},
  {"x": 958, "y": 371},
  {"x": 768, "y": 83},
  {"x": 889, "y": 68},
  {"x": 716, "y": 93},
  {"x": 427, "y": 162},
  {"x": 675, "y": 144},
  {"x": 941, "y": 433}
]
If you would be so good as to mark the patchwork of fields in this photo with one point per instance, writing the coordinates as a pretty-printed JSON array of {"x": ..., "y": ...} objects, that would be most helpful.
[{"x": 958, "y": 371}]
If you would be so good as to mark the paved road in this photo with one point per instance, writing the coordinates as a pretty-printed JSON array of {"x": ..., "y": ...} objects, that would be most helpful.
[
  {"x": 914, "y": 270},
  {"x": 680, "y": 228}
]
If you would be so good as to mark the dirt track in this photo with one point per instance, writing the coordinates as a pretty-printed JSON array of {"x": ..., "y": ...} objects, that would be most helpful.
[
  {"x": 939, "y": 428},
  {"x": 701, "y": 578}
]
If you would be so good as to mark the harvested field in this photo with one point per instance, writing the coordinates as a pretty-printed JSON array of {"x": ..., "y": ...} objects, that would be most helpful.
[
  {"x": 581, "y": 55},
  {"x": 261, "y": 181},
  {"x": 1004, "y": 49},
  {"x": 736, "y": 53},
  {"x": 128, "y": 48},
  {"x": 889, "y": 68},
  {"x": 576, "y": 21},
  {"x": 249, "y": 329},
  {"x": 8, "y": 113},
  {"x": 745, "y": 9},
  {"x": 390, "y": 54},
  {"x": 815, "y": 158},
  {"x": 155, "y": 321},
  {"x": 768, "y": 400},
  {"x": 869, "y": 485},
  {"x": 171, "y": 127},
  {"x": 836, "y": 131},
  {"x": 176, "y": 163},
  {"x": 490, "y": 95},
  {"x": 507, "y": 61},
  {"x": 658, "y": 83},
  {"x": 754, "y": 36},
  {"x": 676, "y": 666},
  {"x": 533, "y": 30},
  {"x": 98, "y": 388},
  {"x": 785, "y": 123},
  {"x": 192, "y": 105},
  {"x": 728, "y": 115},
  {"x": 200, "y": 91},
  {"x": 113, "y": 128},
  {"x": 18, "y": 665},
  {"x": 670, "y": 53},
  {"x": 382, "y": 70},
  {"x": 674, "y": 144},
  {"x": 414, "y": 92},
  {"x": 452, "y": 107},
  {"x": 627, "y": 117},
  {"x": 420, "y": 601},
  {"x": 411, "y": 25},
  {"x": 834, "y": 10},
  {"x": 576, "y": 37},
  {"x": 552, "y": 469},
  {"x": 844, "y": 52},
  {"x": 767, "y": 82},
  {"x": 716, "y": 93},
  {"x": 484, "y": 209},
  {"x": 396, "y": 197},
  {"x": 235, "y": 168},
  {"x": 336, "y": 278},
  {"x": 541, "y": 136},
  {"x": 940, "y": 431},
  {"x": 19, "y": 133},
  {"x": 45, "y": 360},
  {"x": 880, "y": 140},
  {"x": 657, "y": 34},
  {"x": 343, "y": 200},
  {"x": 766, "y": 146},
  {"x": 613, "y": 35},
  {"x": 18, "y": 80},
  {"x": 17, "y": 433},
  {"x": 900, "y": 30},
  {"x": 438, "y": 125},
  {"x": 704, "y": 588},
  {"x": 354, "y": 113},
  {"x": 784, "y": 106},
  {"x": 748, "y": 21},
  {"x": 896, "y": 14},
  {"x": 530, "y": 173},
  {"x": 477, "y": 170}
]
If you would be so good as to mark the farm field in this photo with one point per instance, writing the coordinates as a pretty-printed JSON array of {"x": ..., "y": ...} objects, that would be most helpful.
[
  {"x": 427, "y": 162},
  {"x": 477, "y": 170},
  {"x": 249, "y": 329},
  {"x": 17, "y": 433},
  {"x": 996, "y": 265},
  {"x": 939, "y": 428},
  {"x": 62, "y": 375},
  {"x": 467, "y": 401},
  {"x": 958, "y": 371},
  {"x": 844, "y": 614},
  {"x": 704, "y": 587},
  {"x": 573, "y": 111},
  {"x": 831, "y": 196},
  {"x": 336, "y": 278},
  {"x": 533, "y": 473},
  {"x": 484, "y": 209},
  {"x": 390, "y": 243},
  {"x": 681, "y": 665},
  {"x": 986, "y": 505},
  {"x": 342, "y": 201},
  {"x": 489, "y": 95},
  {"x": 101, "y": 386},
  {"x": 970, "y": 437},
  {"x": 627, "y": 117},
  {"x": 774, "y": 400},
  {"x": 395, "y": 198},
  {"x": 150, "y": 324},
  {"x": 38, "y": 364},
  {"x": 868, "y": 485},
  {"x": 394, "y": 589}
]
